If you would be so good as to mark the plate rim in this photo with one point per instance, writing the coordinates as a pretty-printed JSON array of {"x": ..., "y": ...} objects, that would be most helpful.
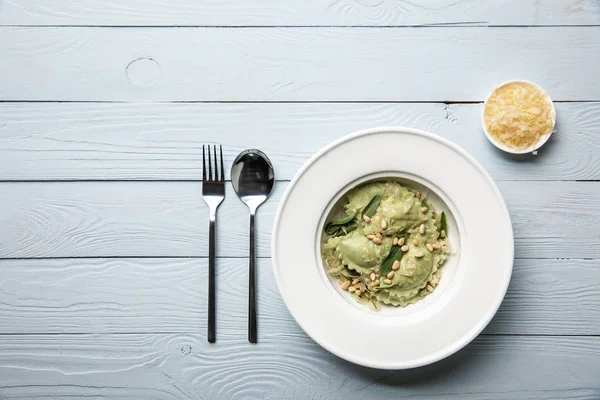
[{"x": 483, "y": 322}]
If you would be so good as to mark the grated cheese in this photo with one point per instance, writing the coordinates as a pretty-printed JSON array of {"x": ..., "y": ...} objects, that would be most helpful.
[{"x": 518, "y": 114}]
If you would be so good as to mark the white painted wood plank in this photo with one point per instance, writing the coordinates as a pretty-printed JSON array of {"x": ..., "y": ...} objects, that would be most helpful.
[
  {"x": 169, "y": 296},
  {"x": 63, "y": 141},
  {"x": 552, "y": 297},
  {"x": 291, "y": 367},
  {"x": 298, "y": 12},
  {"x": 299, "y": 64},
  {"x": 127, "y": 219}
]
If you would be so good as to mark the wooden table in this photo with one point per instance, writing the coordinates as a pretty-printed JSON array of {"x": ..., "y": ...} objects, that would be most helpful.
[{"x": 105, "y": 105}]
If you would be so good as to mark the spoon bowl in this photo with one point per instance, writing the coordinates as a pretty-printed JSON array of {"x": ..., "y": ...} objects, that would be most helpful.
[{"x": 252, "y": 177}]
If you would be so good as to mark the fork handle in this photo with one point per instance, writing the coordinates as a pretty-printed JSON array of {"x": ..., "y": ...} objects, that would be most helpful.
[
  {"x": 252, "y": 287},
  {"x": 211, "y": 280}
]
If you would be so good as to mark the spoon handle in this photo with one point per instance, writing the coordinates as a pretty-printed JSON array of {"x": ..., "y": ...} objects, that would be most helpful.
[{"x": 252, "y": 287}]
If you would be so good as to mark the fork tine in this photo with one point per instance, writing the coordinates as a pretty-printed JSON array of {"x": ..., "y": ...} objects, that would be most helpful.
[
  {"x": 216, "y": 169},
  {"x": 222, "y": 169},
  {"x": 203, "y": 165},
  {"x": 209, "y": 166}
]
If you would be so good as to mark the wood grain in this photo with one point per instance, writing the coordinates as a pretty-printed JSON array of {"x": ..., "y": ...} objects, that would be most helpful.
[
  {"x": 294, "y": 64},
  {"x": 155, "y": 366},
  {"x": 545, "y": 297},
  {"x": 129, "y": 219},
  {"x": 79, "y": 141},
  {"x": 298, "y": 12}
]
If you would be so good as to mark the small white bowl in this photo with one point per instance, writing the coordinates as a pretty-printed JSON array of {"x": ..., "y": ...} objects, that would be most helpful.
[{"x": 543, "y": 139}]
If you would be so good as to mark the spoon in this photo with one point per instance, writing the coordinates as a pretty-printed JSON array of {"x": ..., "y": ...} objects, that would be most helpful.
[{"x": 252, "y": 177}]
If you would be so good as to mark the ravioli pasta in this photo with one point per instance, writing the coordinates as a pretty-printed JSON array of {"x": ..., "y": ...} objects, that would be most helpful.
[{"x": 385, "y": 244}]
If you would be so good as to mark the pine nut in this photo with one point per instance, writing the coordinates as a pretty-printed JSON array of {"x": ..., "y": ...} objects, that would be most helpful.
[
  {"x": 429, "y": 288},
  {"x": 424, "y": 210},
  {"x": 346, "y": 285},
  {"x": 401, "y": 241},
  {"x": 416, "y": 243},
  {"x": 377, "y": 240},
  {"x": 395, "y": 243},
  {"x": 429, "y": 246},
  {"x": 422, "y": 229},
  {"x": 390, "y": 275},
  {"x": 396, "y": 265},
  {"x": 372, "y": 276},
  {"x": 387, "y": 281},
  {"x": 366, "y": 219},
  {"x": 404, "y": 248},
  {"x": 436, "y": 246},
  {"x": 351, "y": 289},
  {"x": 418, "y": 195},
  {"x": 354, "y": 282},
  {"x": 378, "y": 235},
  {"x": 362, "y": 287},
  {"x": 383, "y": 224},
  {"x": 420, "y": 254},
  {"x": 443, "y": 233},
  {"x": 371, "y": 237},
  {"x": 376, "y": 282}
]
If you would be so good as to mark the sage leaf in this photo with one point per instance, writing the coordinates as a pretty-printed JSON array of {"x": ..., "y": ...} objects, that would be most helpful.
[
  {"x": 372, "y": 207},
  {"x": 443, "y": 223},
  {"x": 394, "y": 255},
  {"x": 342, "y": 221},
  {"x": 342, "y": 226}
]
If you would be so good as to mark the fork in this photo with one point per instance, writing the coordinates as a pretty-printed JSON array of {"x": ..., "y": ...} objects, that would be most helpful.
[{"x": 213, "y": 192}]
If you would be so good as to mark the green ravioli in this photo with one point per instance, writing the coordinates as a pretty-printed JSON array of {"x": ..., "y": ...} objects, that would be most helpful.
[{"x": 385, "y": 212}]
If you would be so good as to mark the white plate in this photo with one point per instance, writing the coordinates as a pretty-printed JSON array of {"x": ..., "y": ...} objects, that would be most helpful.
[{"x": 473, "y": 281}]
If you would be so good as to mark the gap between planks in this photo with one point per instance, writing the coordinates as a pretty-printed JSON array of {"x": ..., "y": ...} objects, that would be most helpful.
[
  {"x": 474, "y": 24},
  {"x": 222, "y": 258},
  {"x": 182, "y": 333},
  {"x": 229, "y": 180},
  {"x": 446, "y": 102}
]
